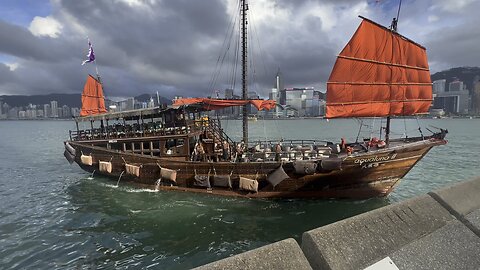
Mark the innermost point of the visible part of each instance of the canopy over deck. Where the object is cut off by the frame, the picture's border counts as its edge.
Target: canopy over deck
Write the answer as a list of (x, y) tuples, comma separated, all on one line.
[(216, 104)]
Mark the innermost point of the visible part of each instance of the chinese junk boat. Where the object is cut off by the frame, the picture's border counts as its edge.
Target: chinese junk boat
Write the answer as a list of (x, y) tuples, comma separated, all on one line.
[(379, 73)]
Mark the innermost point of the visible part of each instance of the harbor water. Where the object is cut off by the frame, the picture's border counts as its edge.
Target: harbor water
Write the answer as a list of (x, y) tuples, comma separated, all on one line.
[(53, 215)]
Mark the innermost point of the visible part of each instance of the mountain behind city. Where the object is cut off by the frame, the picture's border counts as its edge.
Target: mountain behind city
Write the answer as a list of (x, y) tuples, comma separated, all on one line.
[(468, 75)]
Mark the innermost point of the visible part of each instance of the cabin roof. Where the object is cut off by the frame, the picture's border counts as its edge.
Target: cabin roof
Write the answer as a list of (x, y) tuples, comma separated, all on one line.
[(134, 114)]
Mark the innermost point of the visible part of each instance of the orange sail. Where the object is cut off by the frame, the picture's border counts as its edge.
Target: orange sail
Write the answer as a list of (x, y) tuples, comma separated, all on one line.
[(379, 73), (92, 98), (216, 104)]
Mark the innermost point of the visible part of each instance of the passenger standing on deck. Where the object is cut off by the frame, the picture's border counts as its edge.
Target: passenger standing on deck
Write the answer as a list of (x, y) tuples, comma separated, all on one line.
[(200, 152), (240, 150), (226, 150), (278, 151), (342, 145)]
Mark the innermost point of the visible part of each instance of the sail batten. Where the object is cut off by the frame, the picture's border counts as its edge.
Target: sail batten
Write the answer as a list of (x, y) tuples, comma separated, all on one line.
[(382, 63), (379, 73), (93, 101)]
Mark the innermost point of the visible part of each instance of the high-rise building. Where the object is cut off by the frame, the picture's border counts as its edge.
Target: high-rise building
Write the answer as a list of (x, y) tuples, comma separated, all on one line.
[(278, 81), (439, 86), (456, 85), (66, 112), (75, 112), (273, 95), (252, 95), (130, 103), (476, 98), (5, 109), (228, 93), (54, 108), (12, 113), (151, 103), (46, 110), (455, 102), (301, 99)]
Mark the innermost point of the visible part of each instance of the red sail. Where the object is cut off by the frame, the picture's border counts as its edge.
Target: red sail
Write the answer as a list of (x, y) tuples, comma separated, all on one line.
[(379, 73), (216, 104), (92, 98)]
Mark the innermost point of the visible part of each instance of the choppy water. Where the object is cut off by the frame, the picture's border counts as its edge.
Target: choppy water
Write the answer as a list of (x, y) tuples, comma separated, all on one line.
[(53, 216)]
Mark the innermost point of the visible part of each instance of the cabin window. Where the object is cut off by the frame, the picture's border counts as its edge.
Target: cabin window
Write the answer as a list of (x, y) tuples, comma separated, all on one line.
[(136, 146), (146, 145), (116, 146), (170, 147), (174, 147), (180, 144)]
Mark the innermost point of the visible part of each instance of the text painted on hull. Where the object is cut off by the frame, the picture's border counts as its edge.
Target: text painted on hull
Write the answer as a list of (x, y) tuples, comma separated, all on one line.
[(372, 162)]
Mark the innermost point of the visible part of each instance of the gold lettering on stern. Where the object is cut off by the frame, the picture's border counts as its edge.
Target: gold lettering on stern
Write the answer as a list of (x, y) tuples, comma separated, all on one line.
[(373, 162)]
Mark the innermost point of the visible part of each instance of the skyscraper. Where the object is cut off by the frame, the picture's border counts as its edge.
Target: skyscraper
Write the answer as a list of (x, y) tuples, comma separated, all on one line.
[(278, 81), (54, 108), (228, 93), (456, 85), (476, 98), (439, 86), (46, 110)]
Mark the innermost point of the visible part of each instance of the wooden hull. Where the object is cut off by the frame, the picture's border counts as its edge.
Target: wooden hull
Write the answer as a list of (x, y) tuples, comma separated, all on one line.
[(361, 175)]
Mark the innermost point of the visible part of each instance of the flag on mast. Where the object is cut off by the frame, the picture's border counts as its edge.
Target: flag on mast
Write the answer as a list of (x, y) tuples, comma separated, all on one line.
[(90, 55)]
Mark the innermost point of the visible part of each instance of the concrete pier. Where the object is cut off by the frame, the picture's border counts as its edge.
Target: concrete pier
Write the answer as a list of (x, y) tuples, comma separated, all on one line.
[(440, 230)]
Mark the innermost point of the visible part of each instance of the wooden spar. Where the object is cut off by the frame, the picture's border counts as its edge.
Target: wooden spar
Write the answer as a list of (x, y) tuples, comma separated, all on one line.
[(244, 8)]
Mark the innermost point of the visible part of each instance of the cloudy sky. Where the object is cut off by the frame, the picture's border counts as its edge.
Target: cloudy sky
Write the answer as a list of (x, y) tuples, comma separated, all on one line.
[(174, 46)]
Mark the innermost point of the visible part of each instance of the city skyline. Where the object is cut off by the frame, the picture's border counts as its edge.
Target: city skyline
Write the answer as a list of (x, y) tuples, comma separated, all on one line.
[(172, 46)]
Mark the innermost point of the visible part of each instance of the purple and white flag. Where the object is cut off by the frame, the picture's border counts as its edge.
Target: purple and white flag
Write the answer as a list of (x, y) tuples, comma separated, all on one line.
[(90, 55)]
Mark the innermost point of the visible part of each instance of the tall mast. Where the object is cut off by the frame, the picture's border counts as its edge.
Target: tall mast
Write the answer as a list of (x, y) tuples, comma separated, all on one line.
[(393, 27), (243, 13)]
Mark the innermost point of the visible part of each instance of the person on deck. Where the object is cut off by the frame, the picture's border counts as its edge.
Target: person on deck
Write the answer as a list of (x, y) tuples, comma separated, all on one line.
[(226, 150), (278, 151), (240, 150), (200, 152), (343, 145)]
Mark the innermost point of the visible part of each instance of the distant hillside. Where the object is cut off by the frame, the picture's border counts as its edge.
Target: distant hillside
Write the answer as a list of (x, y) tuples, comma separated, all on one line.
[(465, 74), (71, 100)]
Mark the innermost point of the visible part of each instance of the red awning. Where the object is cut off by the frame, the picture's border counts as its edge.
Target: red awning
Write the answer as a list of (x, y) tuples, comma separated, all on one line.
[(216, 104)]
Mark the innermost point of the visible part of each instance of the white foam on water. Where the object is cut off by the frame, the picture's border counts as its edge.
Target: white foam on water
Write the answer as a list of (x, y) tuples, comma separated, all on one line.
[(139, 190), (109, 185)]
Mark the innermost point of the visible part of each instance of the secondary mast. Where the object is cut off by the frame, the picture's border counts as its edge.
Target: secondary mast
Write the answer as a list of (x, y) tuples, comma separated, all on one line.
[(243, 13)]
